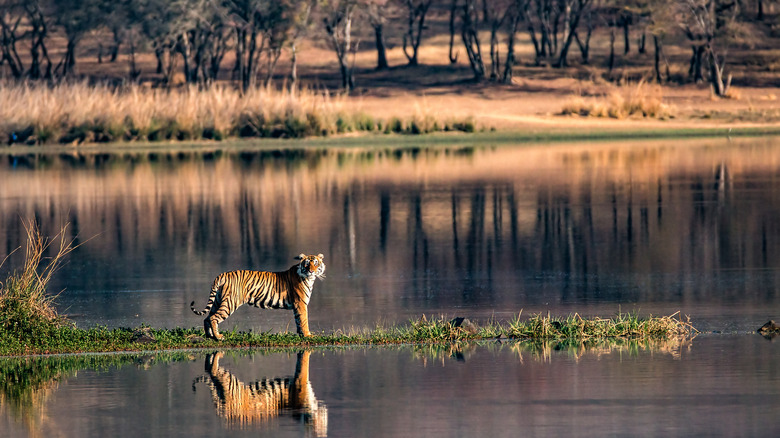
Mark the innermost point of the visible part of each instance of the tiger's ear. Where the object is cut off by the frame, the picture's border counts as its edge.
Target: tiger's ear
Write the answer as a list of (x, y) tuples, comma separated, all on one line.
[(300, 256), (320, 256)]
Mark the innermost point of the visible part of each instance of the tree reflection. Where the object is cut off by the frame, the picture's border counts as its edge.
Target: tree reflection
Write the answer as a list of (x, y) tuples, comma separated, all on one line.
[(500, 228), (241, 404), (28, 383)]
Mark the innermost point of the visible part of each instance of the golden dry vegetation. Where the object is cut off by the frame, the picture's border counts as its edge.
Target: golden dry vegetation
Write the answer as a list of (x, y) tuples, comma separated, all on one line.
[(432, 96)]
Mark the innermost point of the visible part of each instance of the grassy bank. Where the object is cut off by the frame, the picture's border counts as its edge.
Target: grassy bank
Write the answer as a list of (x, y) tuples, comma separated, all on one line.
[(69, 339), (75, 113), (30, 324)]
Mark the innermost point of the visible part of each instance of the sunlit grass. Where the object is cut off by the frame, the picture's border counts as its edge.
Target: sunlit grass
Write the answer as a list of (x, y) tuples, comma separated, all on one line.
[(621, 102), (34, 113)]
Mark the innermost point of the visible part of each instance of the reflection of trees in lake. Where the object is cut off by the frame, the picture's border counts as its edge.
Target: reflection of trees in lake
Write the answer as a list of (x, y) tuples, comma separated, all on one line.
[(28, 383), (241, 404), (461, 226)]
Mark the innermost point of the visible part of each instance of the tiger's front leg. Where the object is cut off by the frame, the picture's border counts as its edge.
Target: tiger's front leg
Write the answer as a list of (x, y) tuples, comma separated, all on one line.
[(302, 319)]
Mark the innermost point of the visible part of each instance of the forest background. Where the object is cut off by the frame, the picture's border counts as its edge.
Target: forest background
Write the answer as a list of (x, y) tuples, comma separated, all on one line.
[(503, 63)]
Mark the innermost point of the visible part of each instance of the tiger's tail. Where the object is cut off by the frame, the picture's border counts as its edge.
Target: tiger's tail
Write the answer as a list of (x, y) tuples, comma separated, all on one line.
[(218, 282)]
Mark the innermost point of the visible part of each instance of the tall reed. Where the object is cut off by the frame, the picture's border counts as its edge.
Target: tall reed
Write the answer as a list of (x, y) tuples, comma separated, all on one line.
[(80, 112), (26, 306)]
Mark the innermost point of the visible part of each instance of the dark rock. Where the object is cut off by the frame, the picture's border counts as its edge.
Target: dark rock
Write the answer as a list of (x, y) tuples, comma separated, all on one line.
[(195, 339), (144, 336), (466, 325), (770, 329), (22, 135)]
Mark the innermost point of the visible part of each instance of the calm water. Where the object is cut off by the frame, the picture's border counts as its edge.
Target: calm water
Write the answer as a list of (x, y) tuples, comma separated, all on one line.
[(724, 385), (482, 232)]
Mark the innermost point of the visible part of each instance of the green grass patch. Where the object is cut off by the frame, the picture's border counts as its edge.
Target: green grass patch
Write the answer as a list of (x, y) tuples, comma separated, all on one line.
[(65, 338)]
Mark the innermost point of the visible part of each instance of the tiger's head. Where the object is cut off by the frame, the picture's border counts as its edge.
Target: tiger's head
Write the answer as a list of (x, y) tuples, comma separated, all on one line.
[(311, 266)]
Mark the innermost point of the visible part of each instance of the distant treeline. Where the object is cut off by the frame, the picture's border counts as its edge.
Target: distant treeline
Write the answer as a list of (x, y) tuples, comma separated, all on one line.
[(194, 36)]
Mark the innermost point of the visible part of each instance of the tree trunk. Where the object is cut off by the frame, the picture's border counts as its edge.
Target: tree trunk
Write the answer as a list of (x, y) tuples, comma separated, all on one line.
[(341, 43), (416, 16), (573, 22), (716, 74), (495, 58), (293, 66), (159, 53), (134, 73), (642, 43), (626, 39), (70, 57), (453, 9), (565, 50), (114, 50), (381, 49), (273, 58), (695, 71), (537, 47), (510, 50), (584, 47), (611, 62), (471, 43), (657, 60)]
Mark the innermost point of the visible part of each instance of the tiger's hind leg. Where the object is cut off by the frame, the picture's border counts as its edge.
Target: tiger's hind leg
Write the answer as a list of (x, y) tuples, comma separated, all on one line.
[(212, 321), (207, 328)]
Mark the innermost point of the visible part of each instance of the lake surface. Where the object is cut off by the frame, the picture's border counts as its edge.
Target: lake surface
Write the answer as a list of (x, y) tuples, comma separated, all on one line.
[(483, 231), (724, 385)]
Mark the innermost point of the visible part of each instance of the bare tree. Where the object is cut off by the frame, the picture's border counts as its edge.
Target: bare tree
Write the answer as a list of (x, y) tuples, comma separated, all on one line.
[(495, 14), (453, 14), (11, 17), (300, 27), (416, 12), (661, 17), (499, 16), (575, 11), (515, 15), (543, 20), (712, 24), (337, 19), (470, 23), (377, 12), (76, 17), (25, 20)]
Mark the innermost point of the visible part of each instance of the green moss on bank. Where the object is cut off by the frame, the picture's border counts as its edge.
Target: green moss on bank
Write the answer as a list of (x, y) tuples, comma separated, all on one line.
[(58, 338)]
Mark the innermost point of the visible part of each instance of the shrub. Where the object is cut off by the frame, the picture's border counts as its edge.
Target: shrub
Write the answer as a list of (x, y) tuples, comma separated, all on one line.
[(26, 307)]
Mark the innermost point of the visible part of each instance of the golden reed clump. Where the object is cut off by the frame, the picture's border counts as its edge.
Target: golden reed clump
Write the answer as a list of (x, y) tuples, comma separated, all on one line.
[(79, 112), (621, 102)]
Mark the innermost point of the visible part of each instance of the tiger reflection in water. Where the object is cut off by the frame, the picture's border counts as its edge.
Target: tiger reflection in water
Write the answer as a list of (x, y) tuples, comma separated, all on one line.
[(241, 405)]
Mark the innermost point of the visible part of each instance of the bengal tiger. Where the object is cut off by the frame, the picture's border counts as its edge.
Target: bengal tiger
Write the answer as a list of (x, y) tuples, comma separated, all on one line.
[(242, 405), (290, 289)]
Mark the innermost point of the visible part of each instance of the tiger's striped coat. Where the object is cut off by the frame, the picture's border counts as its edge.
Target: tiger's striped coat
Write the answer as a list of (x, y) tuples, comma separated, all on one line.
[(290, 289)]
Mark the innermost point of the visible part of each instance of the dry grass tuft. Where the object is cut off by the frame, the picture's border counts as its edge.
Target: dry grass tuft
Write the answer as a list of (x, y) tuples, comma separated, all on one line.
[(621, 102), (24, 299)]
